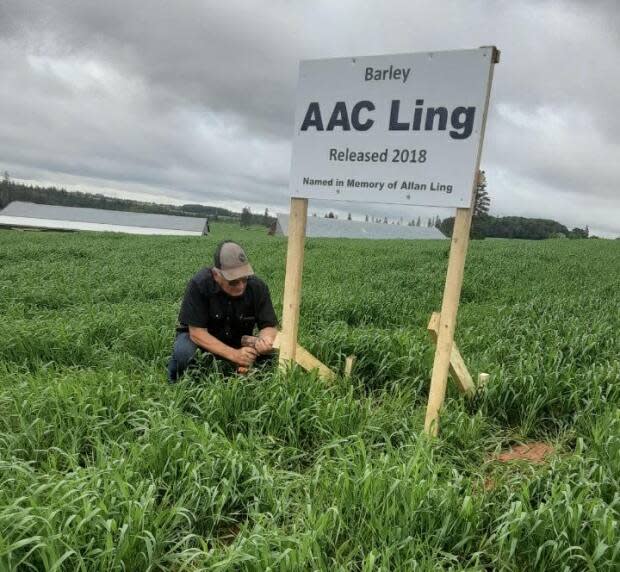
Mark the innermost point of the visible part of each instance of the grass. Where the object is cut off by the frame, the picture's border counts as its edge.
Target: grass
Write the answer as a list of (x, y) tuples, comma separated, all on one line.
[(103, 466)]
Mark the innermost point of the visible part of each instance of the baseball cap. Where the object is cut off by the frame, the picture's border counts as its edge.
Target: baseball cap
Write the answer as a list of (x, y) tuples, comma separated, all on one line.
[(232, 261)]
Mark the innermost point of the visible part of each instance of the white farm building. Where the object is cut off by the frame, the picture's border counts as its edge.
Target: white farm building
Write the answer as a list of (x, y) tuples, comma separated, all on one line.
[(336, 228), (51, 217)]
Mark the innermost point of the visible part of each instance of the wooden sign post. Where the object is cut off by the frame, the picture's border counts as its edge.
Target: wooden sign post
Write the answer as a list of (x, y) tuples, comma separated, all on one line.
[(447, 318), (452, 289), (290, 350), (292, 280)]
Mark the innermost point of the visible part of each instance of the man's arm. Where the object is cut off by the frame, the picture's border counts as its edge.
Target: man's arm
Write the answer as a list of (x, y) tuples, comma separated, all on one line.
[(266, 320), (244, 357)]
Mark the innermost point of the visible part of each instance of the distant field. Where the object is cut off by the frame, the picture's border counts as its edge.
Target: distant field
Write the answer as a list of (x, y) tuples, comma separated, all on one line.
[(103, 466)]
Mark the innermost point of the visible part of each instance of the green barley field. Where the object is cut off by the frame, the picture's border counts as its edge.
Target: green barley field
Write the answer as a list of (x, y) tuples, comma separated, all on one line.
[(104, 466)]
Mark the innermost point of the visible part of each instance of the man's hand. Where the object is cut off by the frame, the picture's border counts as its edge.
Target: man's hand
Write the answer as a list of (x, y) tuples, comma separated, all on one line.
[(264, 346), (245, 357)]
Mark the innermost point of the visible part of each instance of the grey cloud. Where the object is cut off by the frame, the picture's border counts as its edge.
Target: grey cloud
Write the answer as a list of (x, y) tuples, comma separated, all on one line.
[(225, 56), (196, 98)]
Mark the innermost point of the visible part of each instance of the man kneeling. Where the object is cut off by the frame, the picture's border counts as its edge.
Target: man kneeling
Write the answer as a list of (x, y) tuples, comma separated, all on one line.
[(221, 305)]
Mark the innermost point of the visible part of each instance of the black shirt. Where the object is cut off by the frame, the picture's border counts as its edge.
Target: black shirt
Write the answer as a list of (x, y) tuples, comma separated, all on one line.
[(206, 305)]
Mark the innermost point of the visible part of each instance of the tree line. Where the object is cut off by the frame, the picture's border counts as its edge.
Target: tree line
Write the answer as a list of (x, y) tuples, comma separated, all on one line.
[(487, 226), (428, 222), (483, 225), (11, 191)]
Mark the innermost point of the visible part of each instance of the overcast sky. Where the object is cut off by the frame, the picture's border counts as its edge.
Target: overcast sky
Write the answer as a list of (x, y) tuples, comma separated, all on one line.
[(193, 101)]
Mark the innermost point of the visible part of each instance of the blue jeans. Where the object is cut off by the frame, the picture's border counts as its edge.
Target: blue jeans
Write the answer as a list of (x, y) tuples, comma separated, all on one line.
[(182, 356)]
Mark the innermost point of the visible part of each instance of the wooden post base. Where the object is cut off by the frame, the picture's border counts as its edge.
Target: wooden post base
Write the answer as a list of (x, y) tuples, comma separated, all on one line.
[(458, 369), (348, 365), (306, 360)]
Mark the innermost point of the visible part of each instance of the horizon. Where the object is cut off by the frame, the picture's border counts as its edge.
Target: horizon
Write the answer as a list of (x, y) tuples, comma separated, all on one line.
[(196, 104), (340, 215)]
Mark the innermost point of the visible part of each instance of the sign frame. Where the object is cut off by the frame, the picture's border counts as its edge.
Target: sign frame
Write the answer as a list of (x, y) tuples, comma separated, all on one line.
[(408, 137), (452, 288)]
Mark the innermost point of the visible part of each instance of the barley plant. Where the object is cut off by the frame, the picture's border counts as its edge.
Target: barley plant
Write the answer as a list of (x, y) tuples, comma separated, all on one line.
[(104, 466)]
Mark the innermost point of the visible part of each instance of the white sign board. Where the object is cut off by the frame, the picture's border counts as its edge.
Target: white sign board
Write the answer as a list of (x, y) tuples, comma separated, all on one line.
[(402, 129)]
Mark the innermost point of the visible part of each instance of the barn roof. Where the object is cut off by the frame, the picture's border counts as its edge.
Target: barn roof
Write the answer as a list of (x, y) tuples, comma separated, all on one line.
[(337, 228), (22, 214)]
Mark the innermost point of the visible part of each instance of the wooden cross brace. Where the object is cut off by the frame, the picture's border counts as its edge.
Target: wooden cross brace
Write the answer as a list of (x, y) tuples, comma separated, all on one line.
[(458, 369), (307, 361)]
